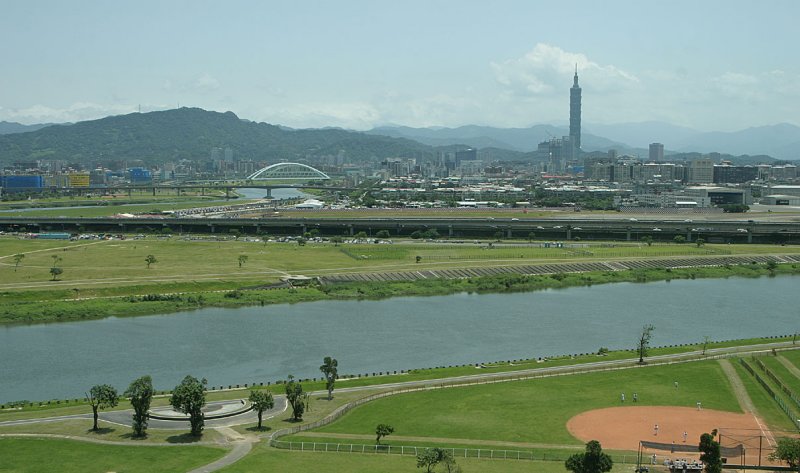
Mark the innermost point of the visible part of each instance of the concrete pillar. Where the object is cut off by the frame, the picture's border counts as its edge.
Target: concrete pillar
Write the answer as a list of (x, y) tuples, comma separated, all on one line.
[(450, 231), (269, 192), (628, 234), (352, 232), (749, 235), (569, 233), (508, 232), (689, 235), (154, 191)]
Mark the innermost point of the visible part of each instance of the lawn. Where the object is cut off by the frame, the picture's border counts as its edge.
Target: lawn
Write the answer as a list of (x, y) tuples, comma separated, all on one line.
[(766, 406), (263, 458), (537, 410), (787, 378), (66, 456)]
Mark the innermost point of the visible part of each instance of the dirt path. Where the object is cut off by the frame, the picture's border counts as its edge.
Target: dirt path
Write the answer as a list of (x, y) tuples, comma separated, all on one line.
[(440, 440), (745, 403), (744, 398), (789, 366)]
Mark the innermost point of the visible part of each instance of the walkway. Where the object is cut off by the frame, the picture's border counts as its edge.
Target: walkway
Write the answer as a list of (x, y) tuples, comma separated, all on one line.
[(744, 398), (789, 366)]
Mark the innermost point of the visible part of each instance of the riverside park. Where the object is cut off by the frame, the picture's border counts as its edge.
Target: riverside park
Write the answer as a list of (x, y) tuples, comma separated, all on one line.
[(525, 414)]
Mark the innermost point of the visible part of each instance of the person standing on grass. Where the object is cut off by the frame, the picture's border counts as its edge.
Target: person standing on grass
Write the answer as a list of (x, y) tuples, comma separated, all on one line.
[(635, 397), (622, 398)]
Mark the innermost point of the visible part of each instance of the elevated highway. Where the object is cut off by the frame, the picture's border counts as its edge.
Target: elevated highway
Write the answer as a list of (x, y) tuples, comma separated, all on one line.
[(719, 230)]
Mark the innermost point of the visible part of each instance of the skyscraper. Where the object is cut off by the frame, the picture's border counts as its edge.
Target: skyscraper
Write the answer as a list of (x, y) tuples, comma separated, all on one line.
[(575, 112), (656, 152)]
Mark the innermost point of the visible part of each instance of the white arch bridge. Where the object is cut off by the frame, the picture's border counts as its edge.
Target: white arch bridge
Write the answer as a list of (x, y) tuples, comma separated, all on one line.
[(286, 171)]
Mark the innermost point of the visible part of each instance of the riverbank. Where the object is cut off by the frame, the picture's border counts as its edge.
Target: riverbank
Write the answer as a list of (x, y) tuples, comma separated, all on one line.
[(32, 312)]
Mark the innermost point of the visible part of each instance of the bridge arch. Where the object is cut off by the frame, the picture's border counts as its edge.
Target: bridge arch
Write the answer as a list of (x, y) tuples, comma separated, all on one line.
[(289, 171)]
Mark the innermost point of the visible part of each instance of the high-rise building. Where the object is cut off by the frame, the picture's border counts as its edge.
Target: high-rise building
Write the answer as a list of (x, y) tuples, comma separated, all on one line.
[(575, 112), (656, 152)]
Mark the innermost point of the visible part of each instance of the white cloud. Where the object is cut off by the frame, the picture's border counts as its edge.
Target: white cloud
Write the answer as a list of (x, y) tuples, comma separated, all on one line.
[(76, 112), (206, 83), (547, 70), (353, 115)]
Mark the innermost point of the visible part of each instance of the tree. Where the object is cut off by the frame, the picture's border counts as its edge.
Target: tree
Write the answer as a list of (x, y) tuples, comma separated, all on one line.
[(17, 260), (261, 401), (56, 272), (150, 259), (382, 430), (330, 369), (679, 239), (301, 241), (706, 339), (648, 240), (101, 396), (788, 450), (336, 240), (140, 393), (189, 397), (593, 460), (644, 342), (531, 237), (430, 457), (242, 260), (699, 242), (382, 234), (709, 452), (294, 395), (360, 236)]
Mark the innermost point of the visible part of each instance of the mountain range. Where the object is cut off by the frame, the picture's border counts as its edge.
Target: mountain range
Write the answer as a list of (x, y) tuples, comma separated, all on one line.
[(14, 127), (191, 133), (780, 141)]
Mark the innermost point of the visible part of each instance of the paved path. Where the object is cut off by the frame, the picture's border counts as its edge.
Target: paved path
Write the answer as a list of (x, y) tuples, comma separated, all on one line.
[(240, 448), (107, 442), (789, 366)]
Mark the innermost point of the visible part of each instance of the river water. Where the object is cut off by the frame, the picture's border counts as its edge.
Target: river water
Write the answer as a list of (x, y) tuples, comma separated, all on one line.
[(259, 344)]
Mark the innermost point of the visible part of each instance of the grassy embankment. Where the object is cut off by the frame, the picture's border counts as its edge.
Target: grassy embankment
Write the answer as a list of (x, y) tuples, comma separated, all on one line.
[(110, 278)]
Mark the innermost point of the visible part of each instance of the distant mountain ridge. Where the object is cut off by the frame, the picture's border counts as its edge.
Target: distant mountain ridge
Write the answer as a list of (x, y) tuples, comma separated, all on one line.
[(515, 139), (191, 133), (7, 128), (780, 141)]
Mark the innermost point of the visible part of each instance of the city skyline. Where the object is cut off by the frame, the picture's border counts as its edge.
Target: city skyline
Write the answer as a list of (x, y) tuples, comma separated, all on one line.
[(714, 66)]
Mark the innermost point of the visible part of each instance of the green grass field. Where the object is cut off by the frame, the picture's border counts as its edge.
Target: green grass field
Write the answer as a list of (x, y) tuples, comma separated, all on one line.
[(765, 405), (67, 456), (537, 410), (263, 458)]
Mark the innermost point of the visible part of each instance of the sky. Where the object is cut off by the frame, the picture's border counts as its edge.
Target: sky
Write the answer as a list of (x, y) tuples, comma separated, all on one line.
[(710, 65)]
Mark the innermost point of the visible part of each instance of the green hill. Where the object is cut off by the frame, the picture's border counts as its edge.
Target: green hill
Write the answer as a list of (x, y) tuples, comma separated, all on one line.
[(190, 133)]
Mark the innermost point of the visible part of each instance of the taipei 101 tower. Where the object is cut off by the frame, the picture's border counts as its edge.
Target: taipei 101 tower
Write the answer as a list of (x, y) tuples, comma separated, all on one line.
[(575, 112)]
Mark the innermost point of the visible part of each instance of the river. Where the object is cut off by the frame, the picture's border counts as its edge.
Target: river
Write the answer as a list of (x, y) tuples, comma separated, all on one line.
[(259, 344)]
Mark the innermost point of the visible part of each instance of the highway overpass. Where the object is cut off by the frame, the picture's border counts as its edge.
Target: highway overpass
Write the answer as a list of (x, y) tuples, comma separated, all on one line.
[(734, 231)]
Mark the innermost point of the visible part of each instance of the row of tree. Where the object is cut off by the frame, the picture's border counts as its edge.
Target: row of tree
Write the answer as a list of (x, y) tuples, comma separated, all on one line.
[(189, 397)]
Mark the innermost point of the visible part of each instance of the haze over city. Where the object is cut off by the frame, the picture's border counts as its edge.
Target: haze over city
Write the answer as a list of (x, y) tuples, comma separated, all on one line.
[(710, 65)]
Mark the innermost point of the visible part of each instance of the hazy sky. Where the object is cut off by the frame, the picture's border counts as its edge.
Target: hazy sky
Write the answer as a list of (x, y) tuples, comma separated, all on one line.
[(710, 65)]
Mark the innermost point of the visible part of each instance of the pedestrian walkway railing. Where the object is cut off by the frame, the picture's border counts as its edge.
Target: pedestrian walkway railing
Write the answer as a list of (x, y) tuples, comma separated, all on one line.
[(531, 454)]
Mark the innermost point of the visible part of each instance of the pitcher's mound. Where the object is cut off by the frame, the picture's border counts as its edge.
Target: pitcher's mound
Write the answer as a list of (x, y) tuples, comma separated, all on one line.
[(621, 428)]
